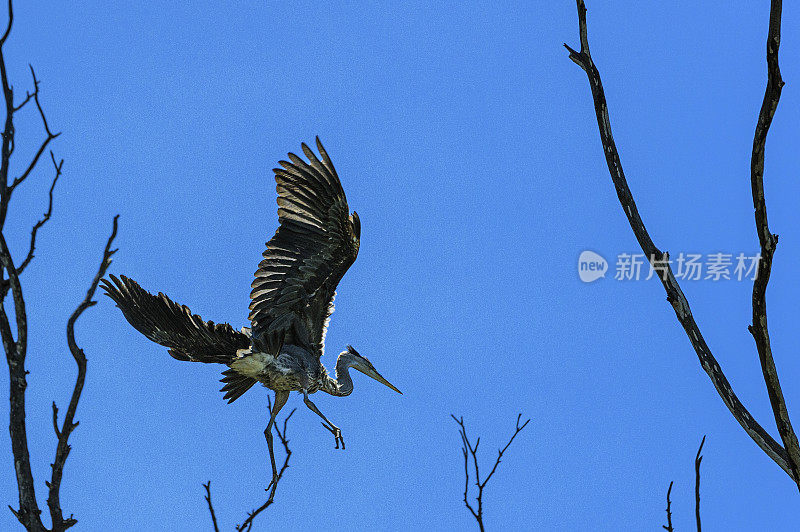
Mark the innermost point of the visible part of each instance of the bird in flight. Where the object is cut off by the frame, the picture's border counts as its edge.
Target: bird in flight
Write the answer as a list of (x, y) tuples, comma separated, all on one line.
[(290, 303)]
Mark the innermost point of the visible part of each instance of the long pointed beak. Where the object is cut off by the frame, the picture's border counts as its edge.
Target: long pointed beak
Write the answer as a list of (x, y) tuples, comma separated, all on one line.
[(378, 377)]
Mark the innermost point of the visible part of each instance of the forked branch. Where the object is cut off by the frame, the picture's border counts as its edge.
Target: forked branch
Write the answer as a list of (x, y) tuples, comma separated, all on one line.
[(45, 218), (63, 448), (247, 524), (469, 450), (15, 339), (49, 135), (207, 487), (660, 259)]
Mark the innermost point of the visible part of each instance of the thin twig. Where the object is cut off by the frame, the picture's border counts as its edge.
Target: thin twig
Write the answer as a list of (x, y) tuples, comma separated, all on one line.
[(697, 459), (8, 128), (668, 526), (45, 218), (10, 22), (468, 449), (207, 486), (660, 259), (247, 525), (63, 448), (50, 136), (768, 242), (28, 97)]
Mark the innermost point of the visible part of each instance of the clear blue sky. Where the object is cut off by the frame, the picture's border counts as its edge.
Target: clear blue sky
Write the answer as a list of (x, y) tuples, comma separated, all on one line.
[(466, 141)]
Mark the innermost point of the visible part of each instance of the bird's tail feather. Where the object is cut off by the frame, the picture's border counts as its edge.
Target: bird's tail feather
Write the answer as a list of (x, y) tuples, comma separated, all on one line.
[(235, 384), (167, 323)]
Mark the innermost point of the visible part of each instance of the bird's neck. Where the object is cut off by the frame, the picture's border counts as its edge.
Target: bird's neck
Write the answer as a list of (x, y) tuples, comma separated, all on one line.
[(342, 385)]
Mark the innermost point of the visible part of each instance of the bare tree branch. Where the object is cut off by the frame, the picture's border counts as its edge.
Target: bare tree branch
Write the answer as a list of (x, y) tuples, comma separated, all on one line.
[(660, 260), (10, 22), (668, 526), (8, 128), (45, 218), (28, 513), (207, 486), (247, 525), (697, 459), (63, 448), (768, 242), (28, 97), (50, 136), (468, 449)]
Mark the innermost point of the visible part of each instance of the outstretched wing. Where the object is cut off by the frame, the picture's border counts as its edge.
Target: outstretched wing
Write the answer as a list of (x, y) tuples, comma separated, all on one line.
[(165, 322), (312, 249)]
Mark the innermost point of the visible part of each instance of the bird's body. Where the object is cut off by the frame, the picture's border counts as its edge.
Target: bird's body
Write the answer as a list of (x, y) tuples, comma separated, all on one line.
[(291, 299), (285, 372)]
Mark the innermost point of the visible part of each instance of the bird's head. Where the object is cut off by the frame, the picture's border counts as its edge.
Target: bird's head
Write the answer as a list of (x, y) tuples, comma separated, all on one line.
[(361, 363)]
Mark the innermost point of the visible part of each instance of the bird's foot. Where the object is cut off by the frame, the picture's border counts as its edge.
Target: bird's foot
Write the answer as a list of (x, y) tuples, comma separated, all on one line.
[(337, 434)]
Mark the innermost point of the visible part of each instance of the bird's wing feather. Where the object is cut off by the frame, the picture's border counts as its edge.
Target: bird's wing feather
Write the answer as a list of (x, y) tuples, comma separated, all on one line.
[(316, 243), (167, 323)]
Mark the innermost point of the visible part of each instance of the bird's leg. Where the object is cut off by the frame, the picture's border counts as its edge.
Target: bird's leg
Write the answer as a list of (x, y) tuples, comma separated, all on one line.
[(280, 400), (337, 433)]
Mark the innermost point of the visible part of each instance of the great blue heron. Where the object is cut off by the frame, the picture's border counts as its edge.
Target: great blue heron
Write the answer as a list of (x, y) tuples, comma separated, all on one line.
[(291, 300)]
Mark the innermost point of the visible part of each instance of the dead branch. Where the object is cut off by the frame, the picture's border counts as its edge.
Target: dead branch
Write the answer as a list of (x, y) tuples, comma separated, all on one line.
[(63, 448), (207, 487), (28, 513), (468, 450), (675, 295), (247, 524), (697, 459), (15, 342), (48, 137), (668, 526), (44, 219), (768, 242), (8, 128)]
